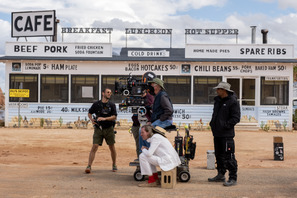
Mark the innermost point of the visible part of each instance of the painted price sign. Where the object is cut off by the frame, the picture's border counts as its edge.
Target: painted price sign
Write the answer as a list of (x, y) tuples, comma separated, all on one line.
[(19, 93)]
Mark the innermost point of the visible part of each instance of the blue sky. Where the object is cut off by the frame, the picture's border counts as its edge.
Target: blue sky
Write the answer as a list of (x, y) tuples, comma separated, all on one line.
[(278, 16)]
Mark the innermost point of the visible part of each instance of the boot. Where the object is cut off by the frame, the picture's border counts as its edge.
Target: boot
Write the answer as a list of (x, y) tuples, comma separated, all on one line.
[(218, 178), (230, 182)]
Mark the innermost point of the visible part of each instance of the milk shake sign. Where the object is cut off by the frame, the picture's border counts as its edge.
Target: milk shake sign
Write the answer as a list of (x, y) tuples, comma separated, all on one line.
[(35, 23)]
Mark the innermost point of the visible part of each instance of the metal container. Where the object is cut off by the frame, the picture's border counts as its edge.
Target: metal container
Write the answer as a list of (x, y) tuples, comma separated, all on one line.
[(211, 160)]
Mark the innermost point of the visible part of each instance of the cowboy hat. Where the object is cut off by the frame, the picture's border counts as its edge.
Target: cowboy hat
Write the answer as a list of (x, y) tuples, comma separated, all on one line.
[(224, 85), (159, 130)]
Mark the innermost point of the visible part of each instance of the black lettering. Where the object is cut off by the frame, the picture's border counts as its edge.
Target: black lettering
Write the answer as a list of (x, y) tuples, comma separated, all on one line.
[(241, 51), (16, 48), (47, 23), (16, 23), (284, 51), (46, 48), (28, 25), (37, 22)]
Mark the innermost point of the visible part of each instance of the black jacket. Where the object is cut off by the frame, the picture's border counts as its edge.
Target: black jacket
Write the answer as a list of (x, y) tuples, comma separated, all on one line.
[(162, 107), (226, 114)]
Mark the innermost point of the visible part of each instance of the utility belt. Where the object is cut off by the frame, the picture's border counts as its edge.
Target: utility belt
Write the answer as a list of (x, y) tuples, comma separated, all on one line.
[(101, 126), (98, 125)]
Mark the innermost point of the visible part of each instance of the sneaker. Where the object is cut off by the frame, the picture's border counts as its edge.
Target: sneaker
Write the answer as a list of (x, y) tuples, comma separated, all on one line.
[(219, 178), (114, 168), (230, 182), (153, 184), (88, 169)]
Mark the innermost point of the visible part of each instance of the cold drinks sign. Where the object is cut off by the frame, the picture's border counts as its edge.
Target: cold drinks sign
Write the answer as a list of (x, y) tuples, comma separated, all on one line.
[(30, 24)]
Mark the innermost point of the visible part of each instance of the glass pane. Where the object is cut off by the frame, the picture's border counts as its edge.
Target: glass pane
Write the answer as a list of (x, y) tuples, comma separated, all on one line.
[(274, 92), (178, 88), (28, 81), (234, 86), (203, 89), (248, 92), (248, 89), (84, 89), (54, 88)]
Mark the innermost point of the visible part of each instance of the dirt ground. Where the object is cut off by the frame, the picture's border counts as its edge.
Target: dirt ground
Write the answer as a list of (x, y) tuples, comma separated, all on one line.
[(50, 163)]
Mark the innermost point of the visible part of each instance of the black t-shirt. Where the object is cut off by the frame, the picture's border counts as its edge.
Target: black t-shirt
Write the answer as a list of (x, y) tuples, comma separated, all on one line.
[(104, 110)]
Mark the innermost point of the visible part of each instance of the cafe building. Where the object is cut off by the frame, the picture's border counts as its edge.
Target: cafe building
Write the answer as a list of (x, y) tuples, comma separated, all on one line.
[(63, 79)]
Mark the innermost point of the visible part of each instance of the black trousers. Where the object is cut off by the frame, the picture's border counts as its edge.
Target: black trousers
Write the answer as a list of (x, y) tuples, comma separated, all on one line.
[(225, 157)]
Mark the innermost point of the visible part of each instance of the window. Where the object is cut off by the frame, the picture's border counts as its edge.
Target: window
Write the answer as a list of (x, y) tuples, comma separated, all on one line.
[(274, 92), (54, 88), (109, 82), (248, 92), (84, 89), (24, 81), (203, 89), (178, 88)]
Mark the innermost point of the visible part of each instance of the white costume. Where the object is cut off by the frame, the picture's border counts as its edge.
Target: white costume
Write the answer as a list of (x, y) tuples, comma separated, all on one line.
[(161, 153)]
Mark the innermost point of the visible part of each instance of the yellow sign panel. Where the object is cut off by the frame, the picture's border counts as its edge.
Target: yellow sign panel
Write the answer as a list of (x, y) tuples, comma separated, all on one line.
[(19, 93)]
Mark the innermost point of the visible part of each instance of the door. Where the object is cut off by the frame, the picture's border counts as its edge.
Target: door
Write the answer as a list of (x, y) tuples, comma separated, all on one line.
[(244, 89)]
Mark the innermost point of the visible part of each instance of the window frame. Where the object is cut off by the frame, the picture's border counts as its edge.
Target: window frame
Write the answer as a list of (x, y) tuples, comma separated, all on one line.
[(95, 89), (286, 95), (33, 92), (66, 100), (175, 89), (211, 93)]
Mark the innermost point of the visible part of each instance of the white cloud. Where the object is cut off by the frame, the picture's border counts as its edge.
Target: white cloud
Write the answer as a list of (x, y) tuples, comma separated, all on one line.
[(2, 77), (267, 1), (287, 4), (5, 34), (183, 5), (120, 14)]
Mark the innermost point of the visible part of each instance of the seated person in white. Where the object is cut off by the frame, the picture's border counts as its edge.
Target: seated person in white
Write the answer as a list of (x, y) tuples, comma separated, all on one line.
[(160, 153)]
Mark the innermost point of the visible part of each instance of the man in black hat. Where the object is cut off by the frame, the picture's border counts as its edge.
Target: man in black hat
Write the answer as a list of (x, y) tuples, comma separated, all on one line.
[(226, 114)]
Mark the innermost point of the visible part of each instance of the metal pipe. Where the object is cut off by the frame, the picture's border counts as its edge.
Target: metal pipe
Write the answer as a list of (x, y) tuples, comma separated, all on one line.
[(264, 32), (253, 34)]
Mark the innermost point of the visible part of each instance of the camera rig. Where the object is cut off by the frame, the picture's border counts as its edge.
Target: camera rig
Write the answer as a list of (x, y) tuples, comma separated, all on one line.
[(133, 88)]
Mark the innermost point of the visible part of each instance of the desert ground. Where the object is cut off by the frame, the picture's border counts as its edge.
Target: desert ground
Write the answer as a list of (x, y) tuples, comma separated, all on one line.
[(51, 162)]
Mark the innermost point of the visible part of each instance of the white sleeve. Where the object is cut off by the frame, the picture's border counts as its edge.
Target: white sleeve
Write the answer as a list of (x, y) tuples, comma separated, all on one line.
[(155, 142)]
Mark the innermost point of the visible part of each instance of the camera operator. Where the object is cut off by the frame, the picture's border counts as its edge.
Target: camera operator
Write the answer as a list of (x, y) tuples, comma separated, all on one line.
[(106, 115), (162, 108), (148, 102)]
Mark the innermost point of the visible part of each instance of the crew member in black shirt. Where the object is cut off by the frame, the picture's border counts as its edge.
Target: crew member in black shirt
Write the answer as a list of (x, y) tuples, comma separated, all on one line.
[(104, 122)]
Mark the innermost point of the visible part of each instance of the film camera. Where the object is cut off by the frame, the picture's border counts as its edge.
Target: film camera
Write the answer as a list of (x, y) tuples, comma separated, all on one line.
[(133, 88)]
